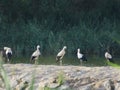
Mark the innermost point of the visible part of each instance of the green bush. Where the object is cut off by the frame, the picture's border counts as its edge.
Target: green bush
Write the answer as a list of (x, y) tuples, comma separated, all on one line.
[(92, 26)]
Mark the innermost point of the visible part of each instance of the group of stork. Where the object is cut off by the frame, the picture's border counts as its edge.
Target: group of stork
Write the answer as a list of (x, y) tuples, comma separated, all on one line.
[(80, 56), (7, 52)]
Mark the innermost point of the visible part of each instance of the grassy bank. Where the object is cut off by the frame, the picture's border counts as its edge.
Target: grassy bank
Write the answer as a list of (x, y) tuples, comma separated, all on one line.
[(50, 60)]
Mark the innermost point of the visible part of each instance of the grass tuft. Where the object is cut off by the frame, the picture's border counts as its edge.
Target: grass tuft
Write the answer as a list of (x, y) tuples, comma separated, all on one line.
[(4, 75), (113, 64), (61, 78)]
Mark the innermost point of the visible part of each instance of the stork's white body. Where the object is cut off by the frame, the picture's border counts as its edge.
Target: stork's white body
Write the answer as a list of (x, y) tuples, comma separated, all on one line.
[(8, 53), (60, 55), (36, 54), (108, 55), (8, 50), (80, 56)]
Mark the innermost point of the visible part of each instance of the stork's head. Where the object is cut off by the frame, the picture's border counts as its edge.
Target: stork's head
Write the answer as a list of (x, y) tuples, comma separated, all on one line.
[(106, 52), (65, 47), (5, 48), (78, 49), (38, 46)]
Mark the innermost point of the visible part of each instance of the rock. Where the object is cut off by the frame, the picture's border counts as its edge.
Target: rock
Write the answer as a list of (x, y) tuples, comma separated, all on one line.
[(43, 84), (2, 88), (22, 85), (13, 82), (53, 79), (86, 87), (64, 87), (117, 86), (104, 85), (107, 85), (1, 83), (99, 86), (53, 85), (72, 77)]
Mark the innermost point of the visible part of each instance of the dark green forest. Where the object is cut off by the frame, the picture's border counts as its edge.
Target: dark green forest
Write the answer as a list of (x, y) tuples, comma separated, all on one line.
[(92, 25)]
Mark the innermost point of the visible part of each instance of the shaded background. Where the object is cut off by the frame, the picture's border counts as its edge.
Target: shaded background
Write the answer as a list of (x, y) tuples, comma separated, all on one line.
[(92, 25)]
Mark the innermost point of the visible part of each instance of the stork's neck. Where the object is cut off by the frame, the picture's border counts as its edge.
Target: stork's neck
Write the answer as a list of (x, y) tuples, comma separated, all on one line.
[(37, 48), (63, 49), (78, 51), (106, 52)]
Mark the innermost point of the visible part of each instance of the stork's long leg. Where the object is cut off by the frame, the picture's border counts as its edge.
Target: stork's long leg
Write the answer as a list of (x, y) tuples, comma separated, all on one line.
[(81, 62), (60, 62)]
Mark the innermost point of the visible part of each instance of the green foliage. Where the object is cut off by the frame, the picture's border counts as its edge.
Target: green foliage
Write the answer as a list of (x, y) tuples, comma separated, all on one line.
[(60, 80), (46, 88), (32, 84), (113, 65), (4, 76), (91, 25)]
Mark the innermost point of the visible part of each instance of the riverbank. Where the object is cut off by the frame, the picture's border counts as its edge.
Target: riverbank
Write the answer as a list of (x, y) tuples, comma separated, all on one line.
[(62, 77)]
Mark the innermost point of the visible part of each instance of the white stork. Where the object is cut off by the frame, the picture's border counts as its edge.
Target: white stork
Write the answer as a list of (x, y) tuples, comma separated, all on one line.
[(108, 56), (35, 54), (8, 53), (60, 55), (80, 56)]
